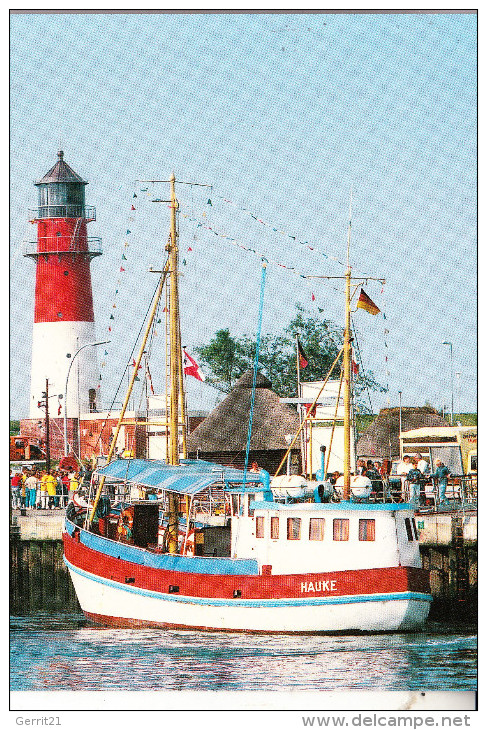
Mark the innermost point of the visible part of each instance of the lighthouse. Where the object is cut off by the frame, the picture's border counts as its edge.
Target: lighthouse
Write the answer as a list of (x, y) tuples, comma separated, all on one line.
[(63, 316)]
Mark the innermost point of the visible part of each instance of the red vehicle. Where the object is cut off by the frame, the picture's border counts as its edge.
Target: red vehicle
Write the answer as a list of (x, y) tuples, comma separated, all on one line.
[(22, 449)]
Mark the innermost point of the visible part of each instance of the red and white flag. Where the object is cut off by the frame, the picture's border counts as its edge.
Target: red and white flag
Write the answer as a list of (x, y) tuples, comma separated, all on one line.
[(354, 363), (191, 367)]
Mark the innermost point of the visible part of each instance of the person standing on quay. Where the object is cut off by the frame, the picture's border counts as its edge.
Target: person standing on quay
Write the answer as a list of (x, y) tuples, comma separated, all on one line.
[(15, 485), (30, 490), (441, 476), (73, 484), (51, 484), (65, 492), (44, 493), (59, 490)]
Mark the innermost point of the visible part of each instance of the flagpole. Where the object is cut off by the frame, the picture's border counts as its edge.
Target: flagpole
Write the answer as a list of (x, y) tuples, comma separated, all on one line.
[(182, 394), (303, 459)]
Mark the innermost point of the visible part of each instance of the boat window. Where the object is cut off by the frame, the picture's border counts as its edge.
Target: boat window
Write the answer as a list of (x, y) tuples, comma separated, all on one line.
[(235, 504), (293, 528), (340, 529), (409, 531), (316, 528), (366, 530), (415, 528), (251, 498), (274, 528), (259, 527)]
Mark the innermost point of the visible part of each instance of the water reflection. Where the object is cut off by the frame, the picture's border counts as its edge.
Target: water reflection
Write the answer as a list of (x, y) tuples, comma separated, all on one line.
[(60, 651)]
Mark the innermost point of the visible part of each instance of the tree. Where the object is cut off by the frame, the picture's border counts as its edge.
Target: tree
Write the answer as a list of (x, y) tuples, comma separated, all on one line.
[(228, 358), (221, 356)]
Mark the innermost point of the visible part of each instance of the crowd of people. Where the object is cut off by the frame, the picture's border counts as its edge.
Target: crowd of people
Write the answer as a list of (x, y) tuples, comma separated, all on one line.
[(414, 472), (41, 489)]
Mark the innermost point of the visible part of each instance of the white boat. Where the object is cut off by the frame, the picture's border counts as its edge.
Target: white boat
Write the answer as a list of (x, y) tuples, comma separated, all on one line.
[(283, 561)]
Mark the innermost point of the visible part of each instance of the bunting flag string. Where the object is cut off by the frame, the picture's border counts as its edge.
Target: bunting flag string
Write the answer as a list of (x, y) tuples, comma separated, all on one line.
[(122, 270), (281, 231), (237, 242)]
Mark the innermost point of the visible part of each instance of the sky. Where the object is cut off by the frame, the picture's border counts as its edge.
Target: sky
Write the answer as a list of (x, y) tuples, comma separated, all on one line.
[(286, 117)]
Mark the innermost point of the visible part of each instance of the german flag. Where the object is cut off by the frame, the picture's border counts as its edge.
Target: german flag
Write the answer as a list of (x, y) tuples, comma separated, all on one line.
[(365, 302), (303, 359)]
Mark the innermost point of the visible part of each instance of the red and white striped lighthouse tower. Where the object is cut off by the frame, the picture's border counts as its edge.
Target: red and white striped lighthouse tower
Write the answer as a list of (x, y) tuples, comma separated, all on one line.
[(63, 317)]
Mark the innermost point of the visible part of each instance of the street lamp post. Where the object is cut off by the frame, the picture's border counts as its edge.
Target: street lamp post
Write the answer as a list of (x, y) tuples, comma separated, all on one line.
[(88, 344), (451, 377)]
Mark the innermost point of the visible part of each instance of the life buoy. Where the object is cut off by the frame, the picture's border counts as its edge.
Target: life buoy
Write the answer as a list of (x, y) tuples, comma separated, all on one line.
[(128, 512)]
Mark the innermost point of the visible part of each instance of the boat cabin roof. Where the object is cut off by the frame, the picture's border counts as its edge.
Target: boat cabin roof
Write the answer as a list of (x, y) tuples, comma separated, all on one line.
[(190, 477)]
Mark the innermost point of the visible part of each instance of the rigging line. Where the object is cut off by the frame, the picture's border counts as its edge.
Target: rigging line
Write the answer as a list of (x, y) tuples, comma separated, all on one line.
[(256, 365), (127, 365), (361, 363)]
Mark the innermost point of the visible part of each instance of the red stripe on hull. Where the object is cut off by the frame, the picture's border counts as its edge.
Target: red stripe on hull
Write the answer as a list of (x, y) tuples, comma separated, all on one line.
[(63, 280), (347, 582)]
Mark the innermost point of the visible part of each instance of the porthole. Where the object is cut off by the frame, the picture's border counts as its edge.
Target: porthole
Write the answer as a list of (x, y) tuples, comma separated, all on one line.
[(66, 273), (60, 315)]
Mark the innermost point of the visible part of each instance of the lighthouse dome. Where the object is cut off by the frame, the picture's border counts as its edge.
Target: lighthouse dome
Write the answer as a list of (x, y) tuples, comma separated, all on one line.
[(61, 192), (61, 172)]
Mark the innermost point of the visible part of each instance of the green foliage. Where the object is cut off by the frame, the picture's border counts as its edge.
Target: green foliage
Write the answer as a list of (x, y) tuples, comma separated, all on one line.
[(222, 356), (466, 419), (228, 358), (14, 428)]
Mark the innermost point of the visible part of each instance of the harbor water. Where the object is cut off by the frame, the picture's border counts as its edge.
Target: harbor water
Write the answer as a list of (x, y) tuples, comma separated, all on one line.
[(61, 651)]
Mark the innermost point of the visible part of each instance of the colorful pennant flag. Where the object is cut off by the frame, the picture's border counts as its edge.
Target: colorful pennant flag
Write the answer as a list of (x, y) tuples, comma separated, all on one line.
[(365, 302)]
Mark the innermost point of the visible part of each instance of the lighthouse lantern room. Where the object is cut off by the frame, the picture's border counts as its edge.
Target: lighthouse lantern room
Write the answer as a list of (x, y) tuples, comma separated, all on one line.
[(63, 315)]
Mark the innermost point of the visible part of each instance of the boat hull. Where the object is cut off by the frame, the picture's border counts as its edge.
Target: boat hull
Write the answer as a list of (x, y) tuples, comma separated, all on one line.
[(116, 592)]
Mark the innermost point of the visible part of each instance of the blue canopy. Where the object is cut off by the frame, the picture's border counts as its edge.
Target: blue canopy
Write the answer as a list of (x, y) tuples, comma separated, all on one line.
[(190, 477)]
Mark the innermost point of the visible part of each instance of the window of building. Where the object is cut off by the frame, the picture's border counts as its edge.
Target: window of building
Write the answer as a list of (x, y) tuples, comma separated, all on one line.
[(366, 530), (409, 530), (340, 529), (251, 498), (293, 528), (316, 528), (274, 528), (92, 400), (415, 528), (259, 527)]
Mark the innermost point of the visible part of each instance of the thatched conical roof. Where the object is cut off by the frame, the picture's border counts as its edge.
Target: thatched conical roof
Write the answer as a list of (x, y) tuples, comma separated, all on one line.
[(225, 428), (381, 438)]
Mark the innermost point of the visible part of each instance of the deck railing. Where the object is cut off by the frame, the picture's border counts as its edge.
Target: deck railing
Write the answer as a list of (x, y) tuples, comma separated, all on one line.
[(63, 245)]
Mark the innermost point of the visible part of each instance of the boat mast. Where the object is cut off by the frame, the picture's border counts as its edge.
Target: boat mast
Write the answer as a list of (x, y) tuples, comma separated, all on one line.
[(175, 351), (347, 369), (346, 395), (175, 373)]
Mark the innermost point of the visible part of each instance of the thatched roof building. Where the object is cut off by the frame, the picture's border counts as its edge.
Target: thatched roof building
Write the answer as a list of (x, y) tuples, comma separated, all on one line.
[(222, 436), (381, 438)]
